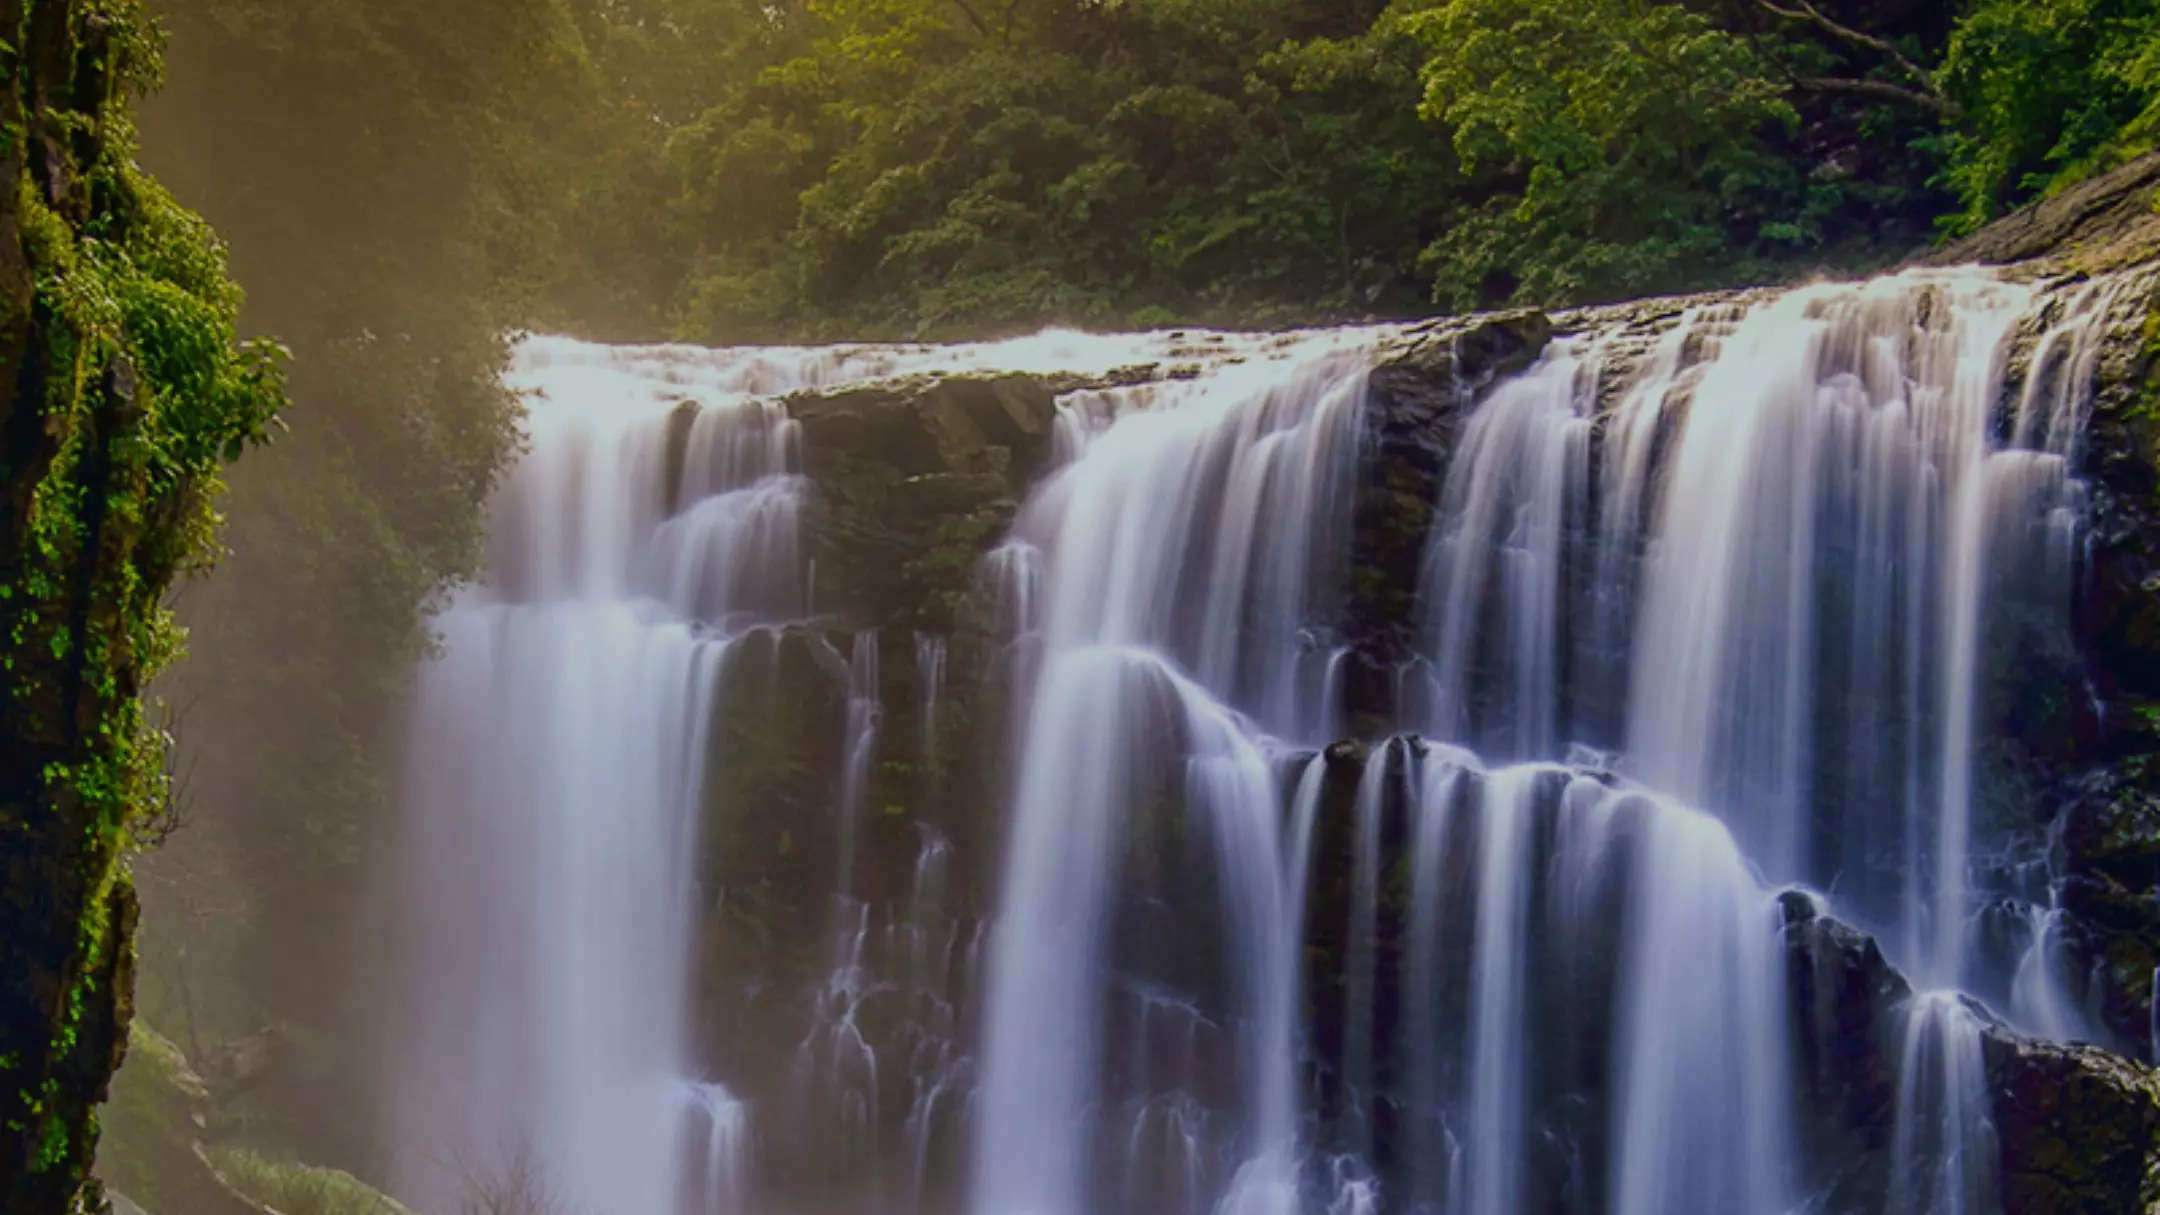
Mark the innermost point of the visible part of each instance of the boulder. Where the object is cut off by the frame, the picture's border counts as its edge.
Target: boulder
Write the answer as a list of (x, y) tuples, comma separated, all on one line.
[(2079, 1127)]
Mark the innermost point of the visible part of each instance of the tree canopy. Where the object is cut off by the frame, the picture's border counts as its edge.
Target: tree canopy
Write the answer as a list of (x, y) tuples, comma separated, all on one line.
[(951, 166)]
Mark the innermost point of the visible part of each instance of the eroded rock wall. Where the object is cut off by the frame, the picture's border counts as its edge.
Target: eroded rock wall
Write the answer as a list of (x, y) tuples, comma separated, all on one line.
[(918, 480)]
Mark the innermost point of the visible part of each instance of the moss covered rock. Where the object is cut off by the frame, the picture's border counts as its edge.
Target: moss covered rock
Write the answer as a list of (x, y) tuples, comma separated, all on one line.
[(2108, 221), (153, 1130), (916, 479), (292, 1188), (2079, 1128)]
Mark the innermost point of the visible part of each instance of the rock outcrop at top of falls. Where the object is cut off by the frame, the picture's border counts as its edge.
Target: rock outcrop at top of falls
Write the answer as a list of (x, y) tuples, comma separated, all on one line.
[(926, 473), (1151, 773), (2099, 224), (918, 480)]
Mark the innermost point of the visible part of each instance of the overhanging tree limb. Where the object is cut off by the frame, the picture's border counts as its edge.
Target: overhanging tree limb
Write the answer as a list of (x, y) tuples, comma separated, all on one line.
[(1807, 13), (1878, 90)]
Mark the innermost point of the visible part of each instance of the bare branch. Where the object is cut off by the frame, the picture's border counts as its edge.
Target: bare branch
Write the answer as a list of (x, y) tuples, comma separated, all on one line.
[(515, 1184), (1807, 13), (973, 19), (1877, 90), (160, 822)]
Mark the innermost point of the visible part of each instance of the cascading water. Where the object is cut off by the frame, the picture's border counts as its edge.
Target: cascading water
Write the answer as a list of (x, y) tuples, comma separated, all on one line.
[(1712, 606), (1523, 463), (559, 754), (1807, 523), (560, 763), (1177, 533)]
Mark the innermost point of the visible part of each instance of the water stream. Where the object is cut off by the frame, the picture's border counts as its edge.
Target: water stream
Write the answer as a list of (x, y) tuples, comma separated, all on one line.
[(1711, 610)]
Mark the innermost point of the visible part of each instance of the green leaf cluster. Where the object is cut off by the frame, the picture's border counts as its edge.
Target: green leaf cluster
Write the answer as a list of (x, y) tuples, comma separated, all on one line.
[(1623, 141), (2053, 91)]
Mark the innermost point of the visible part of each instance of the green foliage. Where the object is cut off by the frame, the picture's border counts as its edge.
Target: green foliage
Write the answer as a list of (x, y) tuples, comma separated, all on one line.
[(137, 305), (937, 166), (1622, 139), (2052, 90), (301, 1189), (924, 167), (129, 394), (735, 170)]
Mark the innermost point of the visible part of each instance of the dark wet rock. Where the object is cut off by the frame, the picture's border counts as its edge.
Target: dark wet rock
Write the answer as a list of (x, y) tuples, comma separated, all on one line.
[(1845, 996), (2078, 1127), (916, 479), (2119, 612), (993, 424), (2099, 750), (680, 420), (1416, 401)]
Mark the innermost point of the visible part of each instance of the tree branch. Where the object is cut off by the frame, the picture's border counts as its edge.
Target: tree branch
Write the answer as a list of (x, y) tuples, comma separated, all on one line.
[(1877, 90), (974, 20), (1807, 13)]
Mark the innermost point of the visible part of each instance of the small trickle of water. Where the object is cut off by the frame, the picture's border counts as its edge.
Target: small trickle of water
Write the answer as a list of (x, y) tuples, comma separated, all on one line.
[(724, 1186), (865, 718), (1522, 465), (1943, 1150)]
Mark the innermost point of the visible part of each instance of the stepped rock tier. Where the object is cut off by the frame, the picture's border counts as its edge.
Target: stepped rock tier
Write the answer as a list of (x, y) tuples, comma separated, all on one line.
[(1701, 755)]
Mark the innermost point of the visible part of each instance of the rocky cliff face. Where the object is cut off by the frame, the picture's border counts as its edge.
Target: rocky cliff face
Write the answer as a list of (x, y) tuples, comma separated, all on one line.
[(112, 420), (895, 702)]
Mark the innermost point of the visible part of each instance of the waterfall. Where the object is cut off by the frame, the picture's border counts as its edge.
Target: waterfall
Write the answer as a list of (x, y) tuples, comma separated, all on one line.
[(559, 754), (1181, 536), (1166, 879), (1523, 463), (1944, 1145), (1827, 519), (864, 719)]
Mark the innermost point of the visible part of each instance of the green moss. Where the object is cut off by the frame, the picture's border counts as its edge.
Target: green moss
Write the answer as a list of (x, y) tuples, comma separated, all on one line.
[(150, 1122), (122, 343), (301, 1189)]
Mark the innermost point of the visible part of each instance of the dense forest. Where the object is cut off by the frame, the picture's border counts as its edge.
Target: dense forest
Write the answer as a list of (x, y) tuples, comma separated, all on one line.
[(401, 185), (727, 171)]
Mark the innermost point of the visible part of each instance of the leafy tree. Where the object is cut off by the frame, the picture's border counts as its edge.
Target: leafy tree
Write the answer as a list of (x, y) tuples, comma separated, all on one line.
[(2051, 91), (945, 166), (1620, 140)]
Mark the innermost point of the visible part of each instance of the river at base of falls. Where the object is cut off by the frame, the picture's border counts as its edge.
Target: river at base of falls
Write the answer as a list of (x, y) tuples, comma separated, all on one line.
[(1701, 625)]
